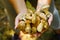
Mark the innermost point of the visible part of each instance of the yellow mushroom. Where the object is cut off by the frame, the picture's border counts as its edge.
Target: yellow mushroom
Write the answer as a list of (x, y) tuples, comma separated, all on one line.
[(43, 16), (47, 13), (33, 18), (38, 20), (28, 28), (40, 27), (21, 25), (45, 7), (27, 21), (43, 21), (34, 22), (46, 25), (28, 16), (34, 29)]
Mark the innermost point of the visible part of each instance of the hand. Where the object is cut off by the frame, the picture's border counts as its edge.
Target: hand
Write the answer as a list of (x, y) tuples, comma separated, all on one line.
[(50, 19), (23, 36), (39, 6), (19, 17)]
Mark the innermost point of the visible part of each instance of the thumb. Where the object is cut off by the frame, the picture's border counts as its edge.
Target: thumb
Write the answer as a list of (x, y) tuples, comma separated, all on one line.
[(16, 22), (50, 19), (15, 27)]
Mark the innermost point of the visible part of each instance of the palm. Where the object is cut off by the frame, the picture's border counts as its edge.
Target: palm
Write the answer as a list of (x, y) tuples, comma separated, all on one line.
[(17, 20)]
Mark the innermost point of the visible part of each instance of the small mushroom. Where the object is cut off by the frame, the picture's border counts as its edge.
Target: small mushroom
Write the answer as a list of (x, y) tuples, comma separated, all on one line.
[(43, 21), (48, 15), (27, 21), (43, 16), (34, 29), (33, 18), (28, 28), (45, 7), (38, 20), (46, 25), (21, 25), (40, 27), (28, 16)]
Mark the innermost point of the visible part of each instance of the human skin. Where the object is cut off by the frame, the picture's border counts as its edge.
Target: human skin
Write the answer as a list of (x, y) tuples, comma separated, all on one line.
[(20, 8), (40, 3)]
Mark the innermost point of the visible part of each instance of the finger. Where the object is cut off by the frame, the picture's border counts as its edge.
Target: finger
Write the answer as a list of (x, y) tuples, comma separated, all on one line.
[(21, 34), (16, 22), (50, 19)]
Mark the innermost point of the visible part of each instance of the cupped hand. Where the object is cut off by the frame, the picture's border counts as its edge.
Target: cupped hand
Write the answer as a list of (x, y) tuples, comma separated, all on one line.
[(19, 17), (23, 36), (50, 19)]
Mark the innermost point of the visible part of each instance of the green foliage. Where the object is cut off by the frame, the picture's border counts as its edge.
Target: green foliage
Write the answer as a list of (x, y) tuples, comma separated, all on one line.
[(5, 29), (29, 6)]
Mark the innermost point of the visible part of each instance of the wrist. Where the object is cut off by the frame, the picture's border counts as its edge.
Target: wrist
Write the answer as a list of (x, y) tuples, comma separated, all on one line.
[(42, 3)]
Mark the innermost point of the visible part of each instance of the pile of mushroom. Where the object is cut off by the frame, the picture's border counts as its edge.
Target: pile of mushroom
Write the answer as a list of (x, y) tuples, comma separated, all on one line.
[(35, 22)]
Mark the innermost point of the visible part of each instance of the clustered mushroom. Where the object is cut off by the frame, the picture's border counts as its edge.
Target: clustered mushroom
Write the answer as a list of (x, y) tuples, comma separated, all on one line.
[(35, 22)]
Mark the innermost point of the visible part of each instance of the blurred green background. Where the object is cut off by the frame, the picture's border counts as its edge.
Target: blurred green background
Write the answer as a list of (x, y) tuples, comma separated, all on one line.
[(6, 31)]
